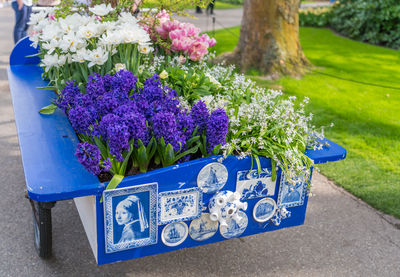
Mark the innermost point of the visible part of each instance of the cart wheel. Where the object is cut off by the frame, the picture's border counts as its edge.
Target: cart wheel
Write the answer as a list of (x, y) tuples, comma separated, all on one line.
[(42, 227)]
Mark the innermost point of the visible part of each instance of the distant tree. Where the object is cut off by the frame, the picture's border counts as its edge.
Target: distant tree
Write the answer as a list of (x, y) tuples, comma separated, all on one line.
[(269, 38)]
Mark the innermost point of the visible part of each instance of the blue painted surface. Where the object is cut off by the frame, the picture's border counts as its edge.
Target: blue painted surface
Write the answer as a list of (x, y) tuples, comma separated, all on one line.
[(20, 52), (168, 179), (333, 153), (53, 173), (47, 142)]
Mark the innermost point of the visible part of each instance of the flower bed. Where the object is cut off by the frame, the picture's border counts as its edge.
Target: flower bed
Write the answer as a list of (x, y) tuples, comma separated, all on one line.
[(141, 94)]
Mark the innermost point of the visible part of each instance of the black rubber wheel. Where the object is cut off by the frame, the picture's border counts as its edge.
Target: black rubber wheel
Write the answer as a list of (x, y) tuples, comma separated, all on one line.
[(42, 228)]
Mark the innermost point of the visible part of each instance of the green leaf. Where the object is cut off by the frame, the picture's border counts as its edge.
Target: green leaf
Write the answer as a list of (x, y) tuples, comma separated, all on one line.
[(47, 88), (115, 181), (258, 163), (33, 55), (216, 149), (125, 162), (187, 152), (143, 158), (48, 109), (101, 146), (273, 170), (169, 155)]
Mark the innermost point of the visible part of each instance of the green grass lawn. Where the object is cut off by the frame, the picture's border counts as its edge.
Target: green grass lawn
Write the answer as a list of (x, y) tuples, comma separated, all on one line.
[(366, 115)]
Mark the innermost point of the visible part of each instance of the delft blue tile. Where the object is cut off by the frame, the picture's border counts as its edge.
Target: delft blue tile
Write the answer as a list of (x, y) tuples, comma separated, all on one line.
[(130, 216), (235, 227), (251, 184), (203, 228), (264, 210), (179, 205), (291, 195), (174, 233), (212, 177)]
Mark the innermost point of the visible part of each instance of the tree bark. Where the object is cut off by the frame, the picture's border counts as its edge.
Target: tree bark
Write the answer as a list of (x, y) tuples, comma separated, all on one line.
[(269, 38)]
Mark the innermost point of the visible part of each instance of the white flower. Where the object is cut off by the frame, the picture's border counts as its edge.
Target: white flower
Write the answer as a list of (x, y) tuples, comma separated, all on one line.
[(101, 10), (79, 56), (49, 61), (110, 39), (62, 59), (141, 68), (164, 74), (213, 80), (90, 30), (71, 42), (51, 31), (50, 46), (97, 56), (145, 49), (36, 18), (126, 17), (119, 66)]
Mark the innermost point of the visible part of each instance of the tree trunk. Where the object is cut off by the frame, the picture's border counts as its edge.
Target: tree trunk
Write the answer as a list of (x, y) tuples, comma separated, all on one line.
[(269, 38)]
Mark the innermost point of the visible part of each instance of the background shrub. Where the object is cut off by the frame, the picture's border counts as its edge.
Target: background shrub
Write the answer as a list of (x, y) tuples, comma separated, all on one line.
[(314, 17), (373, 21)]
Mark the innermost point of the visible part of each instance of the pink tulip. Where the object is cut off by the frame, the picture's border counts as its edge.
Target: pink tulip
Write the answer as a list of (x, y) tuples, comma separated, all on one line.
[(182, 44), (197, 50)]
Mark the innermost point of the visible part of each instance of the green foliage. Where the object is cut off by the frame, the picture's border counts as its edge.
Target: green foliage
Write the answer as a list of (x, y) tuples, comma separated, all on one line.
[(314, 17), (371, 170), (372, 21)]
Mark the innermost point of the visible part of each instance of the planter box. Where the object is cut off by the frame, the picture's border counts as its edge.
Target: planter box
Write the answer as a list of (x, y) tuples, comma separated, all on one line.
[(191, 204)]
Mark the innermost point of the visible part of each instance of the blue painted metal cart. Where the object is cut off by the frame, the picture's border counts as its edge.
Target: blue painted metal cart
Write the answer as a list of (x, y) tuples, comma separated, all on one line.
[(186, 205)]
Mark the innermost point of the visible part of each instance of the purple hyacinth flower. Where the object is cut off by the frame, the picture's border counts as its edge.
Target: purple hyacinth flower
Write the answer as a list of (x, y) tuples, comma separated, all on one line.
[(89, 156), (185, 124), (152, 90), (217, 129), (200, 115), (106, 121), (107, 103), (80, 119), (107, 165), (164, 126), (95, 86), (118, 139), (124, 82), (66, 99), (137, 126)]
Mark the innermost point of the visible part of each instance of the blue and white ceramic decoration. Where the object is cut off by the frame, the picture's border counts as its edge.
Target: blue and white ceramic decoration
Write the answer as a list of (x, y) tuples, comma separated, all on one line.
[(203, 228), (174, 233), (251, 184), (235, 227), (264, 210), (280, 214), (212, 177), (224, 205), (291, 195), (130, 216), (179, 205)]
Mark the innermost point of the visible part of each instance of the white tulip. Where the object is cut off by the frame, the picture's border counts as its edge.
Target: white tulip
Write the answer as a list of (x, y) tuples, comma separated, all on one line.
[(97, 57), (145, 49), (119, 66), (49, 61), (101, 10)]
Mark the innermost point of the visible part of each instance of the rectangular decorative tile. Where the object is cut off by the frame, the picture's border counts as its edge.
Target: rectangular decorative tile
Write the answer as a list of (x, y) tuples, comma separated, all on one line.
[(179, 205)]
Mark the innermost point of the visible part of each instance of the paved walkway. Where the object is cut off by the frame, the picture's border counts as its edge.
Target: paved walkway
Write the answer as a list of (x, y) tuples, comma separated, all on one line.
[(342, 236)]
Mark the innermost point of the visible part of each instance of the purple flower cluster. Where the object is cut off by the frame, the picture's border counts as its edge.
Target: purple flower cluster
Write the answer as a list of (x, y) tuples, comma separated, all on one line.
[(113, 110), (89, 156), (217, 129)]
